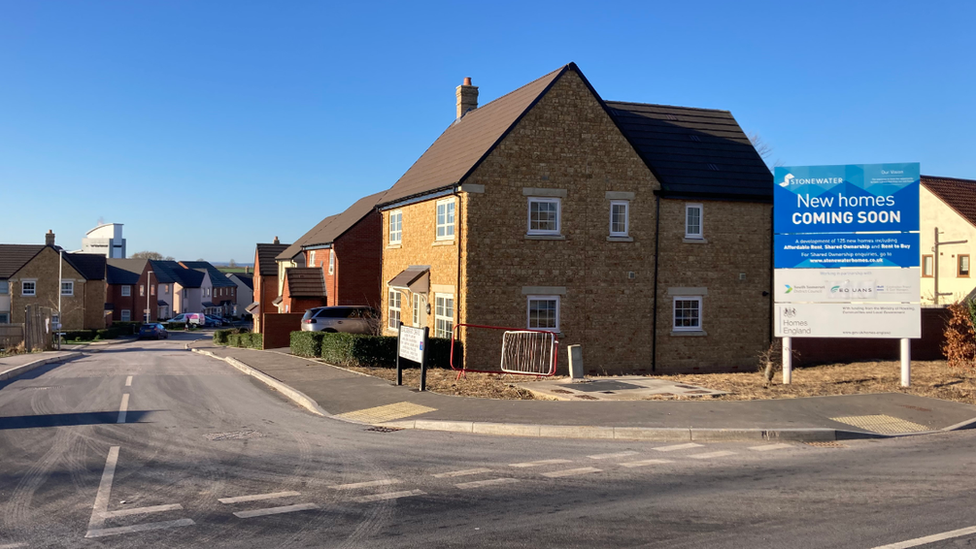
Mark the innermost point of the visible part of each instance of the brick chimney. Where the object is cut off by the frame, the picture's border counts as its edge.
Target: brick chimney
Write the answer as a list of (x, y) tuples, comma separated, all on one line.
[(467, 98), (49, 238), (276, 241)]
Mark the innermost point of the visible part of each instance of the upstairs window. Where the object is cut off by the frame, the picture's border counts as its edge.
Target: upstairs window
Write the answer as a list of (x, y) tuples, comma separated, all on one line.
[(963, 263), (67, 288), (331, 261), (619, 218), (142, 290), (445, 219), (4, 287), (693, 221), (126, 291), (311, 258), (927, 266), (396, 227), (544, 216), (28, 288)]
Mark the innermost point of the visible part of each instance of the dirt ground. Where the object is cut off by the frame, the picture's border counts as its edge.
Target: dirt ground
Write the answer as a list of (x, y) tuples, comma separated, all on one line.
[(929, 379)]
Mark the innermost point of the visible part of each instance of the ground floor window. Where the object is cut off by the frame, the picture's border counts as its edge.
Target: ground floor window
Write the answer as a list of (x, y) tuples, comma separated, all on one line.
[(4, 318), (126, 315), (687, 313), (443, 315), (543, 312), (394, 310)]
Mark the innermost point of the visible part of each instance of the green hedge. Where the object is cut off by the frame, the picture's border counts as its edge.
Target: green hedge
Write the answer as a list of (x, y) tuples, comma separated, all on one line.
[(365, 350), (174, 325), (307, 344), (127, 328), (79, 335), (247, 341), (220, 337), (110, 333)]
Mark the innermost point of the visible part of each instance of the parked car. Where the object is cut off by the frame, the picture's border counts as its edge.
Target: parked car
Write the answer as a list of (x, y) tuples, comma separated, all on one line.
[(214, 321), (154, 331), (190, 318), (355, 319)]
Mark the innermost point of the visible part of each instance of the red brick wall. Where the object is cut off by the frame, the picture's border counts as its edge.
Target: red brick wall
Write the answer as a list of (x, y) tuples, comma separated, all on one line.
[(278, 328), (358, 268)]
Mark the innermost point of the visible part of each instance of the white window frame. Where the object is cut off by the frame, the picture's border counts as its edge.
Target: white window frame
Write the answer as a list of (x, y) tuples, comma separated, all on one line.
[(126, 315), (626, 206), (23, 288), (419, 310), (441, 319), (701, 221), (674, 313), (311, 258), (396, 227), (71, 288), (4, 287), (559, 215), (528, 311), (126, 290), (332, 261), (394, 304), (450, 211)]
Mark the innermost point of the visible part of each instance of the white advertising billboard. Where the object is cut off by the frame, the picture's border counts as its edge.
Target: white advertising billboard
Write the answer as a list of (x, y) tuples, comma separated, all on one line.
[(837, 285), (881, 320)]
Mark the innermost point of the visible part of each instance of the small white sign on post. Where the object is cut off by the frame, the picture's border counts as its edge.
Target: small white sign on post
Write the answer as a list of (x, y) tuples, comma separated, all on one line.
[(411, 344)]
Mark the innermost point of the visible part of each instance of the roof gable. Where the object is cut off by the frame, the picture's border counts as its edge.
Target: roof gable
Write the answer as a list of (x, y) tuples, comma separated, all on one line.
[(466, 142), (291, 251), (124, 271), (958, 194), (217, 278), (305, 282), (266, 253), (14, 256), (331, 228)]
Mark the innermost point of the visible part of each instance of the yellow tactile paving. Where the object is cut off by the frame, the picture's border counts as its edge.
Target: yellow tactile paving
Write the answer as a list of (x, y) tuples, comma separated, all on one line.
[(885, 425), (390, 412)]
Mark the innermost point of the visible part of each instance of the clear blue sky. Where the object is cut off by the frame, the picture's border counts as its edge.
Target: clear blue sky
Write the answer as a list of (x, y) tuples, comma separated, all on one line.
[(205, 127)]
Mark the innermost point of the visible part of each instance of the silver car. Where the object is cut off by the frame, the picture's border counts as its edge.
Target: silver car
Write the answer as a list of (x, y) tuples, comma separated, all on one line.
[(352, 319)]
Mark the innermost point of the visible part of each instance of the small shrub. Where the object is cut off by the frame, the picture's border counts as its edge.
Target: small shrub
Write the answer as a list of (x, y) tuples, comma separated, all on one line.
[(960, 338), (337, 348), (381, 351), (173, 326), (127, 328), (108, 333), (234, 340), (80, 335), (252, 341), (306, 344)]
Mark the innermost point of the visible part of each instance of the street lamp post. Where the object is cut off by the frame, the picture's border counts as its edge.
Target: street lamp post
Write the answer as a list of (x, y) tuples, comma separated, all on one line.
[(148, 293)]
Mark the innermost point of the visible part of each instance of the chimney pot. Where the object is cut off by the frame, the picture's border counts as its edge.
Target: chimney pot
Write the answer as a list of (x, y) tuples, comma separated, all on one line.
[(467, 97), (49, 238), (276, 241)]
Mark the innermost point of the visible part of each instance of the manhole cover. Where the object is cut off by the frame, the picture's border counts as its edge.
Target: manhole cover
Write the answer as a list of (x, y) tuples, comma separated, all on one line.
[(236, 435), (603, 386), (380, 429), (826, 444)]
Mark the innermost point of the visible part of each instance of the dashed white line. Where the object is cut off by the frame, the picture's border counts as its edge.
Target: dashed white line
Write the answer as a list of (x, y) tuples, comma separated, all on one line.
[(104, 490), (711, 455), (142, 510), (276, 510), (646, 462), (390, 495), (769, 447), (123, 408), (930, 539), (489, 482), (258, 497), (613, 456), (464, 473), (674, 447), (128, 381), (572, 472), (138, 528), (541, 462), (369, 484)]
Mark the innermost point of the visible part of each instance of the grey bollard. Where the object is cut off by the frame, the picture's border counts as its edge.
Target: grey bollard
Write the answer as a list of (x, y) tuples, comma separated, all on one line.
[(576, 370)]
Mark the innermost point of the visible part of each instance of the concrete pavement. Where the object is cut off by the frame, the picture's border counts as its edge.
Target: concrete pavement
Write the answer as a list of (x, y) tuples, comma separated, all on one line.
[(350, 396)]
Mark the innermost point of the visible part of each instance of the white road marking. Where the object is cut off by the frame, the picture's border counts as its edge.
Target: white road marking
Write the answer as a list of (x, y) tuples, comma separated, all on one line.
[(138, 528), (674, 447), (104, 490), (128, 381), (489, 482), (13, 545), (646, 462), (930, 539), (123, 408), (142, 510), (390, 495), (463, 473), (571, 472), (369, 484), (613, 456), (276, 510), (711, 455), (769, 447), (538, 463), (258, 497)]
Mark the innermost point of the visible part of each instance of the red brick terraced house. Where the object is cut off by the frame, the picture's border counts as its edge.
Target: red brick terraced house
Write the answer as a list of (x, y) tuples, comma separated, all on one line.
[(130, 289), (266, 288), (640, 232)]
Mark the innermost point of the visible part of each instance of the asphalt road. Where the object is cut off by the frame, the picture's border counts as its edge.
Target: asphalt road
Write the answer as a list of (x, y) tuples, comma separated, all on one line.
[(204, 457)]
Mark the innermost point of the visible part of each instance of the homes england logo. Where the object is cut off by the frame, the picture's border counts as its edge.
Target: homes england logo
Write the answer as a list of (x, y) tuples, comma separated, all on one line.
[(789, 312)]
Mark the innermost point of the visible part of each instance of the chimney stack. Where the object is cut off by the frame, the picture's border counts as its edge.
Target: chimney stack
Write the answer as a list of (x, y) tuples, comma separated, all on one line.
[(276, 241), (467, 97), (49, 238)]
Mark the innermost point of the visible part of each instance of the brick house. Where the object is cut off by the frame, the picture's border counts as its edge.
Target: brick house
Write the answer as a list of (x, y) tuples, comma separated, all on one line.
[(245, 291), (128, 283), (29, 275), (640, 232), (947, 205), (265, 280), (219, 292), (346, 250)]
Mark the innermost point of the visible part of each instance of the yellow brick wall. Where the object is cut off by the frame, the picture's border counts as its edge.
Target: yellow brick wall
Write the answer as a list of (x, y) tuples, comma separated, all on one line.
[(44, 268)]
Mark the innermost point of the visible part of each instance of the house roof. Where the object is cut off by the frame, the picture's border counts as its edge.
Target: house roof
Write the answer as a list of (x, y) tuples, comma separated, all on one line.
[(15, 256), (266, 259), (694, 152), (172, 272), (462, 146), (90, 266), (305, 282), (296, 248), (246, 279), (124, 271), (958, 194), (217, 278), (329, 229)]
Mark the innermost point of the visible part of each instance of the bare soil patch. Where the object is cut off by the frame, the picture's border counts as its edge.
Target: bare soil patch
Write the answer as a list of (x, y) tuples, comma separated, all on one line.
[(933, 379)]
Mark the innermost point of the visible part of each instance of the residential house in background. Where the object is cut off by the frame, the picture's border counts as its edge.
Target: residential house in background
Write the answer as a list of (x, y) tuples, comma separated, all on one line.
[(245, 291), (131, 290), (640, 232), (219, 292), (266, 288), (188, 286), (947, 206), (30, 276)]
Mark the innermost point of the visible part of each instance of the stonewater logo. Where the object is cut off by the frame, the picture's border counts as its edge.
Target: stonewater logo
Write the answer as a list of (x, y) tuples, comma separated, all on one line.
[(786, 180)]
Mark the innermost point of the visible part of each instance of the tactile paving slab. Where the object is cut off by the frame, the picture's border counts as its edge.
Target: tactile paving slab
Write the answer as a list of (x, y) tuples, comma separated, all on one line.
[(882, 424)]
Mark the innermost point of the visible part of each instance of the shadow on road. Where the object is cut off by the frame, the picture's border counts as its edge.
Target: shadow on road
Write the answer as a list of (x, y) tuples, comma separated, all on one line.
[(61, 420)]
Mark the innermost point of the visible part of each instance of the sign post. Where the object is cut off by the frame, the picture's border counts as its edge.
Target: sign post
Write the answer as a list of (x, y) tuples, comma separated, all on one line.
[(846, 254), (412, 345)]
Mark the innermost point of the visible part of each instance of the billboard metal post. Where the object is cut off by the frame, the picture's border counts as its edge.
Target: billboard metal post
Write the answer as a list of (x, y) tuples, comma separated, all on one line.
[(787, 361), (423, 363), (906, 362), (399, 368)]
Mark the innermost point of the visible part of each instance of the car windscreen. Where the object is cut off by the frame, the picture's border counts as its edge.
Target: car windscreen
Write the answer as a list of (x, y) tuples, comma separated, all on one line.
[(311, 313)]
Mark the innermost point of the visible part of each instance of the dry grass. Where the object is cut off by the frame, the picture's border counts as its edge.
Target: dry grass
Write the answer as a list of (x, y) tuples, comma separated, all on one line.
[(929, 379)]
